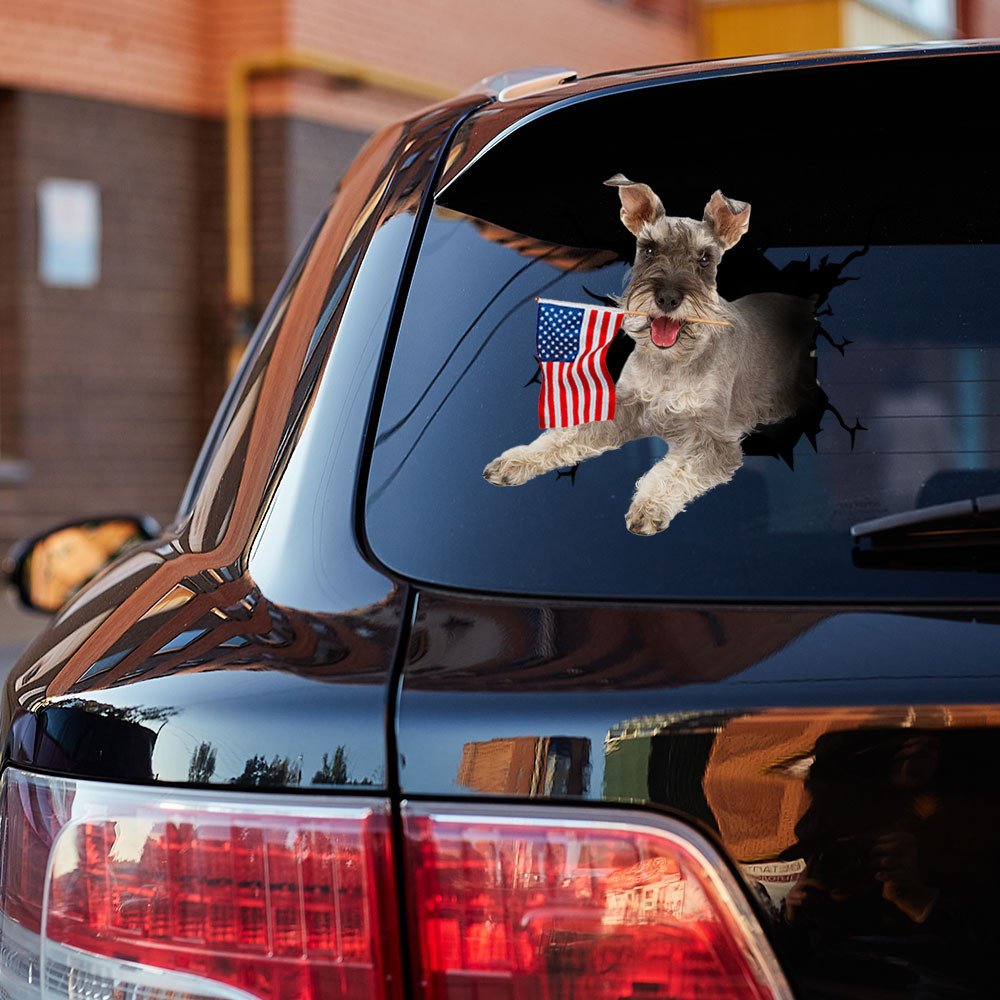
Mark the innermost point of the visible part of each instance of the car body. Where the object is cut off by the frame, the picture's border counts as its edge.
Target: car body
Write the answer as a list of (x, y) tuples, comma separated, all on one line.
[(749, 756)]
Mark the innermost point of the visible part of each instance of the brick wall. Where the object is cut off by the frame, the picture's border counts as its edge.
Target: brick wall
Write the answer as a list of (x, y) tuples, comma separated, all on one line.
[(456, 42), (296, 165), (105, 393), (174, 54), (211, 266), (137, 51), (109, 407), (979, 18), (9, 286)]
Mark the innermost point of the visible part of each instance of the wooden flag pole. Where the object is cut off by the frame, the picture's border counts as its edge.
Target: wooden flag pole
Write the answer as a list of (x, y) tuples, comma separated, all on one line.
[(636, 312)]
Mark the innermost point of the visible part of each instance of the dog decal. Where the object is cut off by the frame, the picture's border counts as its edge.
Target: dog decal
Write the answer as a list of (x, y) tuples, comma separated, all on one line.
[(704, 372)]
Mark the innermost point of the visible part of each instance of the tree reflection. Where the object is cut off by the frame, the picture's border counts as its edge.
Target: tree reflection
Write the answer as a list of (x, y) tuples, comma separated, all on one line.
[(136, 715), (280, 772), (202, 766), (334, 772)]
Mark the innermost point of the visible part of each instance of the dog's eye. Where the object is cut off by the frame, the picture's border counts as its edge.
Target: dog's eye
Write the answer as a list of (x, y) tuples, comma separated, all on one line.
[(648, 251), (704, 260)]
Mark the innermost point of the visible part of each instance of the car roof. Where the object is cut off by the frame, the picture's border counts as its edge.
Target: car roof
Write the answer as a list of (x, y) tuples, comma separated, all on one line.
[(536, 166), (494, 121)]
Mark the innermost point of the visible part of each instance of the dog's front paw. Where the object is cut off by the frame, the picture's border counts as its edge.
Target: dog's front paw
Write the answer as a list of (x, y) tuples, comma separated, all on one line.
[(647, 517), (512, 468)]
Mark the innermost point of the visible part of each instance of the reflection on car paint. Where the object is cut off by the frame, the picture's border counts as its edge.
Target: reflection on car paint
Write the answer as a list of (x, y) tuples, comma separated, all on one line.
[(848, 821), (527, 765), (274, 656), (253, 691), (841, 756)]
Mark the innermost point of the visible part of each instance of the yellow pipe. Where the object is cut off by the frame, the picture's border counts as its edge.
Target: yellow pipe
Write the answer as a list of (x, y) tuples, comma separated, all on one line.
[(239, 234), (239, 263)]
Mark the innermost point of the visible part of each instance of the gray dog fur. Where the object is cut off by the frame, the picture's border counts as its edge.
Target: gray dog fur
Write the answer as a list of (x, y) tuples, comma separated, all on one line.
[(705, 391)]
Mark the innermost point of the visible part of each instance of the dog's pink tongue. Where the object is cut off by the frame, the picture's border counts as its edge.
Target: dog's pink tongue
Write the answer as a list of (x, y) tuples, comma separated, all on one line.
[(664, 331)]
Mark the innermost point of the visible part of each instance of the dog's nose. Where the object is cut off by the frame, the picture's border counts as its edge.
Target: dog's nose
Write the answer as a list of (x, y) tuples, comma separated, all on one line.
[(669, 298)]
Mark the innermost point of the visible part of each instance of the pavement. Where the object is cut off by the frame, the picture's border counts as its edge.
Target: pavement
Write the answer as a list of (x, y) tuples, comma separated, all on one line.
[(18, 627)]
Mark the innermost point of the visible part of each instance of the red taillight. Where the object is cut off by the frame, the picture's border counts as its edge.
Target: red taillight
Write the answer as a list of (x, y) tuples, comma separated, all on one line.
[(155, 894), (557, 905), (271, 897)]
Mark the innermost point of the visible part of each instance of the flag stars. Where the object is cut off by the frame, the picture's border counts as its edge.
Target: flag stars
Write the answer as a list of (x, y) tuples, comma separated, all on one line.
[(572, 343), (559, 332)]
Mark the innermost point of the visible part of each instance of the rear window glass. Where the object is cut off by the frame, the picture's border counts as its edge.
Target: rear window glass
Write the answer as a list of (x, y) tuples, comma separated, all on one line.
[(892, 245)]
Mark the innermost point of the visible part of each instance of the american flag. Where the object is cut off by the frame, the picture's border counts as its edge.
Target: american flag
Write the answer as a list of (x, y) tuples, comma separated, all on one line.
[(573, 342)]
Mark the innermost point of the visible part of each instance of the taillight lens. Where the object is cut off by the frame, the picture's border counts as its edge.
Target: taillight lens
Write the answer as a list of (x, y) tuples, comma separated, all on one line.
[(116, 892), (145, 893), (563, 904)]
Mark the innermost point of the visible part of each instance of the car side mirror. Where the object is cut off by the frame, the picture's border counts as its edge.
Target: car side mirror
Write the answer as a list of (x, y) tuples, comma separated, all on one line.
[(47, 569)]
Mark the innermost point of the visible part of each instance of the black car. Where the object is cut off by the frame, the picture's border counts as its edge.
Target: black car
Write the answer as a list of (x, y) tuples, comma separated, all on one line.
[(359, 724)]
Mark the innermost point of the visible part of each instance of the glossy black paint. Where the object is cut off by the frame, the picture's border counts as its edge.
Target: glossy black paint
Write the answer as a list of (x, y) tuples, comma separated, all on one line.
[(494, 144), (255, 645), (237, 649), (842, 758), (480, 671), (236, 691)]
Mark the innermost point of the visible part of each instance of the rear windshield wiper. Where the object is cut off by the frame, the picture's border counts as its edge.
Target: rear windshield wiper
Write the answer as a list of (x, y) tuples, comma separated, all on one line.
[(961, 535)]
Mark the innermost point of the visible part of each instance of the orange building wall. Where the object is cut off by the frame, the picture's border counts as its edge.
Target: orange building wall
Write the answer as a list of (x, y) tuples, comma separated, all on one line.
[(134, 51), (105, 392), (174, 55), (979, 18), (454, 42), (744, 27)]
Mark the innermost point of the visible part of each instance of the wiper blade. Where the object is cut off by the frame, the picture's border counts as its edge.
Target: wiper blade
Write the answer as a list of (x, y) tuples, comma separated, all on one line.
[(961, 535), (958, 518)]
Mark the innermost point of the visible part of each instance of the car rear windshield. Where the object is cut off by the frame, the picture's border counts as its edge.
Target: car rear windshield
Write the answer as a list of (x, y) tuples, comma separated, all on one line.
[(883, 222)]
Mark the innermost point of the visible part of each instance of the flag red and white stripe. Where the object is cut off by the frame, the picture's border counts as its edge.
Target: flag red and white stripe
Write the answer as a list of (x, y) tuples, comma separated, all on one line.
[(573, 342)]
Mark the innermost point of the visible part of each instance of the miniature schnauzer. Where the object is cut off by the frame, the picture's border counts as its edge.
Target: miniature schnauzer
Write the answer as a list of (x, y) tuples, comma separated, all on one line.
[(699, 386)]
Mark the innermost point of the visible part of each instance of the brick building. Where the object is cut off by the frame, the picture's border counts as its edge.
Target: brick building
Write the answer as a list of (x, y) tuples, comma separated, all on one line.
[(109, 376), (107, 383)]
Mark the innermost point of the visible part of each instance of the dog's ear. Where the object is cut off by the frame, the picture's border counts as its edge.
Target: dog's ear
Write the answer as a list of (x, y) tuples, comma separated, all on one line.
[(639, 203), (728, 219)]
